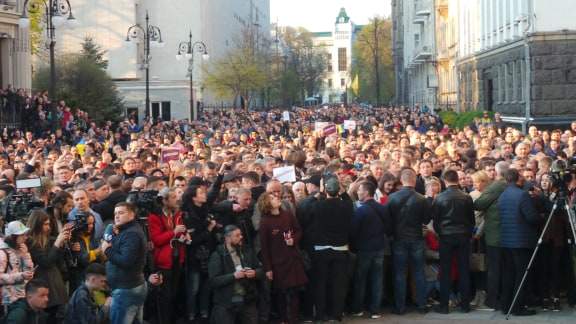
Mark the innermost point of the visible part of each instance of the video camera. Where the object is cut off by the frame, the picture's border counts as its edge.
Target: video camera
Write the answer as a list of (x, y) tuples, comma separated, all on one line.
[(21, 202), (562, 172), (146, 202), (80, 224)]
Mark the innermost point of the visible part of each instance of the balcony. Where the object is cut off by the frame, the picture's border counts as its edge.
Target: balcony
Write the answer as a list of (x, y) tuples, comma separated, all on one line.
[(423, 53), (8, 5)]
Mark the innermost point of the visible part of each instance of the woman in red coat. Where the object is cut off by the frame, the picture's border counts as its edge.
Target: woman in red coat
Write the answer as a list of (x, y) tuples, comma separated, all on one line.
[(280, 234)]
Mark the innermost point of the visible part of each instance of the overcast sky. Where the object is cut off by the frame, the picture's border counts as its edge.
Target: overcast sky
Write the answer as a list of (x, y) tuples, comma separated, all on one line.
[(320, 15)]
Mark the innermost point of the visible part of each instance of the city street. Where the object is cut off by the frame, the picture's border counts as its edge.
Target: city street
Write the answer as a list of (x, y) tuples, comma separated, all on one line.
[(475, 317)]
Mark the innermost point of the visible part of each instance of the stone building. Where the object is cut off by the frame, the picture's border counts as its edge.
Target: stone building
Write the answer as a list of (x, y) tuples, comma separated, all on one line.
[(15, 65), (518, 57)]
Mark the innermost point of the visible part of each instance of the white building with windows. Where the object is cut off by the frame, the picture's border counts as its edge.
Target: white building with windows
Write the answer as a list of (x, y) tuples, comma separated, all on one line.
[(217, 23), (339, 45), (15, 64)]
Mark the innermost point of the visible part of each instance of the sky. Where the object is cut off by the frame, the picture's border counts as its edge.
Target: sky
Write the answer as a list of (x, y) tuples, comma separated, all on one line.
[(320, 15)]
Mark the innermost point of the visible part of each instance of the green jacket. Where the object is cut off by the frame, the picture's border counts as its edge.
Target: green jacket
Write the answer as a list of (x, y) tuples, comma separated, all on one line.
[(20, 313), (488, 203)]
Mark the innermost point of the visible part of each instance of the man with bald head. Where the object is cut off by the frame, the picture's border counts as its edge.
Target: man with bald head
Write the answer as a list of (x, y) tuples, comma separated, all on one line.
[(82, 205)]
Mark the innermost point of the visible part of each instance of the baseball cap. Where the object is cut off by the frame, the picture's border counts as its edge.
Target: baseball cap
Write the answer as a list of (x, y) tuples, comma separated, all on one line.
[(332, 186), (15, 228)]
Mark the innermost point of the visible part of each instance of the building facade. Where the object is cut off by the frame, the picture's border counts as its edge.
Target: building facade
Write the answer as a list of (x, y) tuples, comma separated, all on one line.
[(338, 43), (516, 57), (414, 46), (217, 23), (15, 64)]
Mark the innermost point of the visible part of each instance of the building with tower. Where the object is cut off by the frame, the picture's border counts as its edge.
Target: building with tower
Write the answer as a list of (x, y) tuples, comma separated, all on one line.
[(338, 43)]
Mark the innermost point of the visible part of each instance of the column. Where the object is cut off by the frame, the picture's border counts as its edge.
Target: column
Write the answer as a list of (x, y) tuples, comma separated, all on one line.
[(514, 82)]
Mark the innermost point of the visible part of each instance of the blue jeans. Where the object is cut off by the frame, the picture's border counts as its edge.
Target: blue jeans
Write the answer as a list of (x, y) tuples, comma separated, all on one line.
[(413, 252), (128, 305), (197, 294), (369, 267)]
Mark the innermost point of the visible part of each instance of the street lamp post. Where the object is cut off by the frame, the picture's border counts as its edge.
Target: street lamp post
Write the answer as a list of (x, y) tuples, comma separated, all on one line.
[(58, 12), (187, 49), (150, 34)]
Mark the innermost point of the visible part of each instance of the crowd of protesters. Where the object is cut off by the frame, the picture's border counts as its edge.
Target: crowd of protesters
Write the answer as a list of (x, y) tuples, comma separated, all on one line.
[(395, 213)]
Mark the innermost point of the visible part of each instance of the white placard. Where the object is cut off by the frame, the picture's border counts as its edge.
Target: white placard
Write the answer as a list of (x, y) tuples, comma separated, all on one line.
[(286, 116), (350, 125), (319, 126), (285, 174)]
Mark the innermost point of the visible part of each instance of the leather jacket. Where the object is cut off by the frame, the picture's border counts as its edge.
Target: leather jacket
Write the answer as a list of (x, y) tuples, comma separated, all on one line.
[(453, 213), (409, 211)]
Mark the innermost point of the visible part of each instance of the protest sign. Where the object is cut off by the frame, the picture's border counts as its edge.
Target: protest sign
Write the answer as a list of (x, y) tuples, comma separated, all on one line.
[(170, 154), (286, 116), (350, 125), (285, 174)]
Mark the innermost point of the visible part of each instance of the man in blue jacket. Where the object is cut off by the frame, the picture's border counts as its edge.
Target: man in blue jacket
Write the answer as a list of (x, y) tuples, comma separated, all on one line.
[(519, 234), (126, 255), (370, 226)]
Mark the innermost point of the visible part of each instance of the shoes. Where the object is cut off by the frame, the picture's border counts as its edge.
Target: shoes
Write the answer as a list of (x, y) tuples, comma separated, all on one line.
[(545, 304), (465, 308), (556, 305), (524, 311), (441, 309), (423, 310), (359, 314), (375, 316), (398, 312)]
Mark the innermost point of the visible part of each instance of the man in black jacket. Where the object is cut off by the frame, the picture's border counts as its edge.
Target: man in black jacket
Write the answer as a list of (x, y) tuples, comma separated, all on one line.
[(106, 207), (409, 212), (234, 271), (82, 309), (126, 255), (453, 215), (331, 220)]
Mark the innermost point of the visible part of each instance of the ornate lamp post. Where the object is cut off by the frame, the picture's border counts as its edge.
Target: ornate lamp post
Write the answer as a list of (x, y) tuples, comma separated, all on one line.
[(187, 49), (58, 13), (150, 34)]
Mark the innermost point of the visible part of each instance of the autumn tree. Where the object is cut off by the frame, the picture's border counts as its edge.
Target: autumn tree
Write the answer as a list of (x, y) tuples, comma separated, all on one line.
[(373, 64)]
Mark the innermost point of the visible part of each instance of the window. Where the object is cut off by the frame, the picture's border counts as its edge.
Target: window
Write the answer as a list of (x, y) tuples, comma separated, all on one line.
[(342, 59), (329, 83), (329, 62), (342, 83), (416, 40), (161, 110)]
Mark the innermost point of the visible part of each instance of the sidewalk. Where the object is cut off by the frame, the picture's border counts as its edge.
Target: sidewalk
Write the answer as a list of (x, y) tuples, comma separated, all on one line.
[(568, 315)]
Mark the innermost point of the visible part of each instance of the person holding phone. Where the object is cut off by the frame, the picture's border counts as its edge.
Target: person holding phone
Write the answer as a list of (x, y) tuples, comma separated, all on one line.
[(16, 266), (234, 271)]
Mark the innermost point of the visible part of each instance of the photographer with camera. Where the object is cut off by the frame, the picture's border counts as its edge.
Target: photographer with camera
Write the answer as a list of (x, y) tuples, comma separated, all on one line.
[(82, 205), (58, 210), (84, 248), (169, 236), (234, 271), (201, 226), (48, 253)]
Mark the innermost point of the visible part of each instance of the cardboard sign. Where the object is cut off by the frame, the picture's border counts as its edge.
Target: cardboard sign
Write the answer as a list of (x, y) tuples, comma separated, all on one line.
[(329, 130), (319, 126), (285, 174), (286, 116), (170, 154), (350, 125)]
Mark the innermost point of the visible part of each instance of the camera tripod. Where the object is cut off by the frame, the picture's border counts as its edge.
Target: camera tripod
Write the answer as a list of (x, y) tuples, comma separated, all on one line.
[(561, 200)]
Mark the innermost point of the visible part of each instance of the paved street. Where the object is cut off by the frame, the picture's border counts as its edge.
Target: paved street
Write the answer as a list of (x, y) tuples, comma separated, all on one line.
[(476, 317)]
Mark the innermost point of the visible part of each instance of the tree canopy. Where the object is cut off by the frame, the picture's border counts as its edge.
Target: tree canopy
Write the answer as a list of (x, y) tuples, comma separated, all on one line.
[(84, 84), (373, 62)]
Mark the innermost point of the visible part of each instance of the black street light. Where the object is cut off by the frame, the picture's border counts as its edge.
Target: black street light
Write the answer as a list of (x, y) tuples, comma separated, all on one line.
[(58, 12), (187, 49), (149, 34)]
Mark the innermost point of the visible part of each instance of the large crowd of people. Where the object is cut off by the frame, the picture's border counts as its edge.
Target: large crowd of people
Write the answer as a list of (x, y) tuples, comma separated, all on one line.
[(385, 210)]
